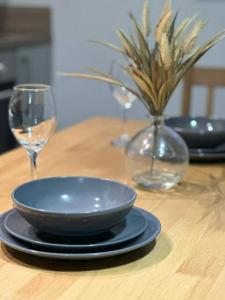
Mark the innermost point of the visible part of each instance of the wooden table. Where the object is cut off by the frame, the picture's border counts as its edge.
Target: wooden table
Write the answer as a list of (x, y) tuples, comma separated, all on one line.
[(187, 260)]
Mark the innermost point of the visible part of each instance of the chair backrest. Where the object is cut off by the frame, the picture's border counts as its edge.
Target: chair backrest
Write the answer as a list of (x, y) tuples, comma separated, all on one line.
[(209, 77)]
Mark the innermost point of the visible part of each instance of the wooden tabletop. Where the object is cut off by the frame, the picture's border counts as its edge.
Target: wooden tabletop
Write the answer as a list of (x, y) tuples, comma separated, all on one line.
[(186, 262)]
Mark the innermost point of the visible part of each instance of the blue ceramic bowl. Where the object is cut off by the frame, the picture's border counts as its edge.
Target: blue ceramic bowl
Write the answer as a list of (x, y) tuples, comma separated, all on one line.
[(73, 205), (199, 132)]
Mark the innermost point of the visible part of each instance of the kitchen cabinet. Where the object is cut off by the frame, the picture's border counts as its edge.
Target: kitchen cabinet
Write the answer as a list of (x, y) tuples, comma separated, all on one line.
[(30, 64), (25, 56), (7, 80), (33, 64)]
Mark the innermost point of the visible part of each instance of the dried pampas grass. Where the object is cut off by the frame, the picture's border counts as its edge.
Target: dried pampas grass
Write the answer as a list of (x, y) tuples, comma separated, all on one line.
[(156, 71)]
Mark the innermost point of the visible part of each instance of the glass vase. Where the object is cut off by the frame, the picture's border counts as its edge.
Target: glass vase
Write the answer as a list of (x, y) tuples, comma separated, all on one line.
[(157, 157)]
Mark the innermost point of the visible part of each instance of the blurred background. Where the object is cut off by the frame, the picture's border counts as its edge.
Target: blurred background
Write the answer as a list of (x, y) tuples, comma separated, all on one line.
[(53, 36)]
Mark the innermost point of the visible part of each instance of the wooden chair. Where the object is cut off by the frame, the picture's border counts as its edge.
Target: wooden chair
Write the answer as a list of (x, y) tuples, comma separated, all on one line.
[(209, 77)]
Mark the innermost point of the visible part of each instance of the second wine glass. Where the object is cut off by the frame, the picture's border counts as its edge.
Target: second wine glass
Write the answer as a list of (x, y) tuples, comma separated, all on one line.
[(32, 118), (124, 97)]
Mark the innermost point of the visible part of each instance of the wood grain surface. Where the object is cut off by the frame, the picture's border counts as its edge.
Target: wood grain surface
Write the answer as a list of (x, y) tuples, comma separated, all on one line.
[(186, 262)]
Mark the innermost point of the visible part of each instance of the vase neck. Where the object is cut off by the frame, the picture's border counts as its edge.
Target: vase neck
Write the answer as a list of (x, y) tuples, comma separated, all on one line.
[(156, 120)]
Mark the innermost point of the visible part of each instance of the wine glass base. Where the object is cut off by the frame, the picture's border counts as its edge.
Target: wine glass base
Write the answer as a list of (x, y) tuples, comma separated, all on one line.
[(121, 141)]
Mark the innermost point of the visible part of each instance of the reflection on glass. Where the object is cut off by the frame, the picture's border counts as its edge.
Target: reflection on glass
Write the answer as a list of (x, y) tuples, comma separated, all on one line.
[(124, 97), (32, 118)]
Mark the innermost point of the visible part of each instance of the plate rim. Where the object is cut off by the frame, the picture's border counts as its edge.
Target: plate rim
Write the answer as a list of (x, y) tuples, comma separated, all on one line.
[(86, 256), (206, 156), (75, 246)]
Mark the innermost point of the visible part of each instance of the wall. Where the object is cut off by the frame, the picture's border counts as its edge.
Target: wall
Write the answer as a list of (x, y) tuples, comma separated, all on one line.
[(74, 22)]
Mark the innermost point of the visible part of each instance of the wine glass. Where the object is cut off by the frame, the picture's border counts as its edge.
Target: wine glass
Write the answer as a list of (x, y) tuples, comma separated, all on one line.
[(32, 118), (124, 97)]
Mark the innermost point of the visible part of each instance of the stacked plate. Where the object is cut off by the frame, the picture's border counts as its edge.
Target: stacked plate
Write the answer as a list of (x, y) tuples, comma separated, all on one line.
[(76, 218), (138, 230), (205, 137), (208, 154)]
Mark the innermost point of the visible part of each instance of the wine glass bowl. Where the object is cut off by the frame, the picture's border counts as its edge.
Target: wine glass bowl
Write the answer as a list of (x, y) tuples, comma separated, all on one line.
[(32, 118), (124, 97)]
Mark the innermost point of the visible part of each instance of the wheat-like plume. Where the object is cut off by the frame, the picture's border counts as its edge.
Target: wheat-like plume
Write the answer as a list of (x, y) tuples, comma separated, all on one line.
[(165, 51), (190, 41), (164, 22), (156, 71), (145, 20)]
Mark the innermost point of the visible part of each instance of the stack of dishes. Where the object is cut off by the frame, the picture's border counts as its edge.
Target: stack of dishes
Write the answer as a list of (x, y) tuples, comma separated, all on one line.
[(205, 137), (76, 218)]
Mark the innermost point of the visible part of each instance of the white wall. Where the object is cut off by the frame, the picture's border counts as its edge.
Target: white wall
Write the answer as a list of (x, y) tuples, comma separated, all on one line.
[(75, 21)]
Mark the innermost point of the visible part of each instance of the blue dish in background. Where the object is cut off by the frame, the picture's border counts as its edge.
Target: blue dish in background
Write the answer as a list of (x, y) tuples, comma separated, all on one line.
[(197, 155), (199, 132), (73, 206)]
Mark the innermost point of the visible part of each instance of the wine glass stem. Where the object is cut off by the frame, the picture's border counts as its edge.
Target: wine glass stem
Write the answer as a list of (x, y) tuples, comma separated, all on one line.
[(33, 164), (124, 120)]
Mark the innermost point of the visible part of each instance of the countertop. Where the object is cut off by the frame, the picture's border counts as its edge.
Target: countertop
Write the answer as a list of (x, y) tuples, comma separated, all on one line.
[(16, 40), (187, 260), (24, 26)]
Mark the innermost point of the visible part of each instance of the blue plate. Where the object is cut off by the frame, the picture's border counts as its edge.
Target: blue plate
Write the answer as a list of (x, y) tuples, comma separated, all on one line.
[(200, 156), (134, 225), (199, 132), (151, 232)]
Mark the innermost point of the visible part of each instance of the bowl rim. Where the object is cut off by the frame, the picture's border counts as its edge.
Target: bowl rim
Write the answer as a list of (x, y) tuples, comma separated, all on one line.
[(189, 131), (91, 213)]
